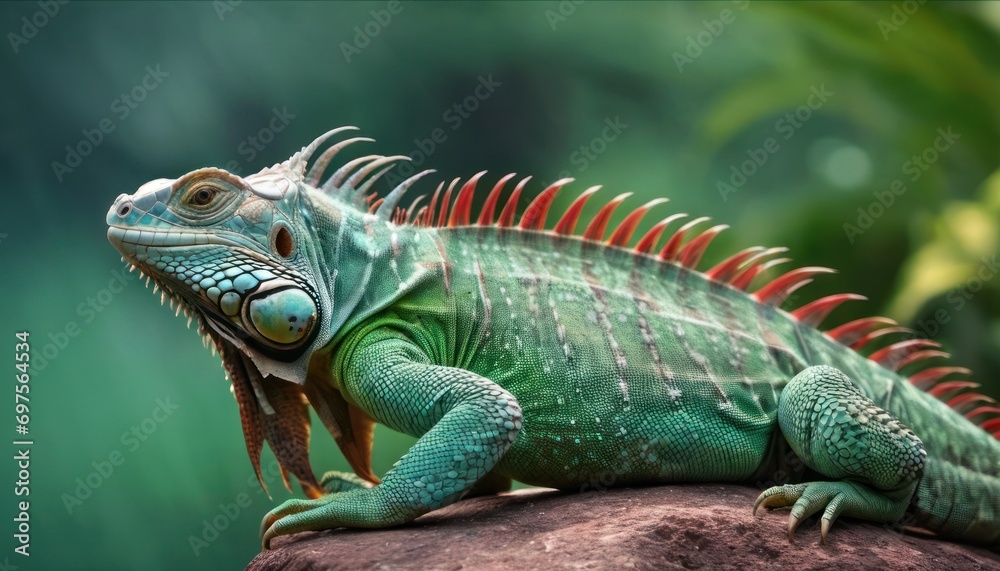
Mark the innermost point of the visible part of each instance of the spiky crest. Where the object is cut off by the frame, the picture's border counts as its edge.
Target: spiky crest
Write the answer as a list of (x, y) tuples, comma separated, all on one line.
[(353, 181)]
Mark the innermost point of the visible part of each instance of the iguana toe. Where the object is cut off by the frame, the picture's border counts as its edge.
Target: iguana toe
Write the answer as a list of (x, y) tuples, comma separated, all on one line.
[(293, 523), (833, 510), (803, 503), (778, 497), (825, 529), (335, 481), (269, 525)]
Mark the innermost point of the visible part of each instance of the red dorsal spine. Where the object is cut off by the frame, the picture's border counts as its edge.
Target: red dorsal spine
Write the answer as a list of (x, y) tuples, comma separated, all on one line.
[(622, 234), (691, 254), (814, 313), (595, 230), (510, 209), (489, 207), (534, 216), (463, 204), (567, 223)]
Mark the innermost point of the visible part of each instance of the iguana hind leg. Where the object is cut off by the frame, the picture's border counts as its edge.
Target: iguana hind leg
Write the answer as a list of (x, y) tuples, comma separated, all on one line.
[(839, 432)]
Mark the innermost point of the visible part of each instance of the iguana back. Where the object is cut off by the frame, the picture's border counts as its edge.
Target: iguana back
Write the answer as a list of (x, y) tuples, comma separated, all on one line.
[(596, 341)]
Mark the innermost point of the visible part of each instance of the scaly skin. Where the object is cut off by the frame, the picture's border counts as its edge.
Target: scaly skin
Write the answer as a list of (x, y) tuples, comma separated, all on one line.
[(517, 353)]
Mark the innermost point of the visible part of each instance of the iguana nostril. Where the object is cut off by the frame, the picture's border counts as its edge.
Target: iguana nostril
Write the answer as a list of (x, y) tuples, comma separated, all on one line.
[(124, 209)]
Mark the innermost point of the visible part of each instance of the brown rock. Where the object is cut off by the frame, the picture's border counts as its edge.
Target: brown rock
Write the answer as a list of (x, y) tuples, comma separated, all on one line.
[(663, 527)]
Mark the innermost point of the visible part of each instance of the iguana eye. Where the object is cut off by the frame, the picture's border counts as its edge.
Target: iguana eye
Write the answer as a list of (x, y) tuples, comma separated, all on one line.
[(201, 196)]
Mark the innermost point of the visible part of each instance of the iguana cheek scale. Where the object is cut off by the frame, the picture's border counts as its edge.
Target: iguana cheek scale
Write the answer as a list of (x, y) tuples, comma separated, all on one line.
[(516, 352)]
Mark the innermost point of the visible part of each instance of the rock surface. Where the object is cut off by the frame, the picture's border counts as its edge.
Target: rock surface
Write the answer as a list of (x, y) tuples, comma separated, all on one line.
[(663, 527)]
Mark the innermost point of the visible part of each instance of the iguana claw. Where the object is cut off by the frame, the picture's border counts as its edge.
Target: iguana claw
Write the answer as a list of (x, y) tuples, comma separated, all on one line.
[(265, 525), (265, 540), (267, 530), (824, 529), (793, 522), (805, 499), (779, 497)]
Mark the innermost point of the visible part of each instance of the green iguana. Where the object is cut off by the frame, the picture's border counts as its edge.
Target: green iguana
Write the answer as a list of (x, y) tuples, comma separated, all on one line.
[(513, 351)]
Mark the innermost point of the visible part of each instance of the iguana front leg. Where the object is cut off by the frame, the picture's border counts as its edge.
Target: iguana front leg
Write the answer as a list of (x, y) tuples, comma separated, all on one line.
[(837, 431), (467, 422)]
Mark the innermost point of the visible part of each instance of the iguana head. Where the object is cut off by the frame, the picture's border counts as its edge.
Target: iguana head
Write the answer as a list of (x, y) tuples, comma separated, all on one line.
[(244, 257), (237, 253)]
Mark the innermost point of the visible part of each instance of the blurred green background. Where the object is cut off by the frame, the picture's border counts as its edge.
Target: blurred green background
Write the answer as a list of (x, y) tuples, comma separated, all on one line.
[(694, 91)]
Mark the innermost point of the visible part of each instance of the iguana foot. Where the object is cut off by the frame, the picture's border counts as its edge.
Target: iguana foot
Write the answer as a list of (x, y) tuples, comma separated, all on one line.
[(277, 521), (835, 498), (334, 482), (374, 507), (344, 509)]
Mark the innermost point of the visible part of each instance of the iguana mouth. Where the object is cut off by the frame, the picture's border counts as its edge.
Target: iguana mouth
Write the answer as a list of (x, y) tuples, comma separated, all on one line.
[(170, 289), (211, 277), (165, 238)]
